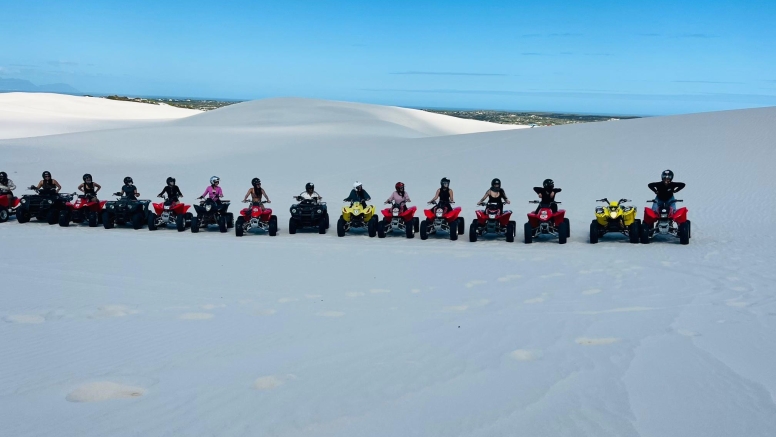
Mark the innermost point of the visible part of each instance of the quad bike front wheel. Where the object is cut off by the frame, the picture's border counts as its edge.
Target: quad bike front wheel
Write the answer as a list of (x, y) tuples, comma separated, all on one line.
[(52, 216), (568, 227), (222, 226), (137, 221), (92, 219), (461, 226), (380, 229), (108, 220), (409, 227), (645, 233), (594, 232), (684, 233), (416, 224), (22, 216), (563, 232), (341, 227), (239, 227), (151, 222), (273, 226), (4, 215), (424, 230), (473, 231), (322, 227), (194, 224), (292, 226), (64, 218), (511, 231), (634, 231), (528, 233), (371, 227), (180, 222)]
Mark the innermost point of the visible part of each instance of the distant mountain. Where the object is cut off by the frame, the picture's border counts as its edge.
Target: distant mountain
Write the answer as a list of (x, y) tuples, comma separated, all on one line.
[(8, 85)]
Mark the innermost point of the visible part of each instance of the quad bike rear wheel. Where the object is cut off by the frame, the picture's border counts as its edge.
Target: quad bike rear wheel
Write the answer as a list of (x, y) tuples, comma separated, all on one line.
[(273, 226), (341, 227), (107, 220), (511, 231), (371, 227), (151, 222), (380, 229), (180, 222), (594, 232), (424, 230), (473, 231), (684, 233), (563, 232), (137, 220), (4, 215), (239, 226), (461, 226), (93, 219), (527, 233), (64, 218), (194, 224)]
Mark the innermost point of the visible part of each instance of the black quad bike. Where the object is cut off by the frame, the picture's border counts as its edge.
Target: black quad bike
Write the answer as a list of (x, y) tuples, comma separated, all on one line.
[(124, 211), (44, 207), (212, 212), (308, 213)]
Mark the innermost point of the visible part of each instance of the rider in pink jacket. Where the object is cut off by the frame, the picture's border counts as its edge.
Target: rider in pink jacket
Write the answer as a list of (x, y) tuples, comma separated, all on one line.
[(213, 191)]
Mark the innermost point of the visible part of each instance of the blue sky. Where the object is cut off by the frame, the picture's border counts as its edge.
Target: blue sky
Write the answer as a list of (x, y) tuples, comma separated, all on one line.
[(627, 57)]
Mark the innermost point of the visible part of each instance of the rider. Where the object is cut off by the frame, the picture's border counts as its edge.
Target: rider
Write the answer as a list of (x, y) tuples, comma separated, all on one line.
[(129, 191), (256, 192), (309, 193), (445, 195), (399, 196), (48, 185), (664, 191), (89, 188), (495, 195), (547, 193), (358, 194), (213, 192), (6, 185), (173, 192)]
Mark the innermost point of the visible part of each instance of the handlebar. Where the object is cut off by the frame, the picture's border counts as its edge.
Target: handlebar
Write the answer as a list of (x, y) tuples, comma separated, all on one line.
[(653, 200), (536, 201)]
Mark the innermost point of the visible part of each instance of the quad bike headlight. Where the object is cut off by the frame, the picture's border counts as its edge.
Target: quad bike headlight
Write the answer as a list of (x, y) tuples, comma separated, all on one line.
[(439, 213), (24, 200), (396, 211), (208, 207), (613, 214), (319, 211), (492, 216), (293, 210)]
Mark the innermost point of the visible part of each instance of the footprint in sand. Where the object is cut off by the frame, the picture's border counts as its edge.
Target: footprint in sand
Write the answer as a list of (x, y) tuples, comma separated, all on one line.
[(25, 319), (104, 391), (272, 381), (287, 299), (508, 278), (455, 309), (539, 299), (591, 291), (415, 290), (355, 294), (196, 316), (585, 341), (212, 306), (330, 314), (114, 311), (475, 283), (736, 303), (379, 290), (687, 333), (264, 312), (525, 355)]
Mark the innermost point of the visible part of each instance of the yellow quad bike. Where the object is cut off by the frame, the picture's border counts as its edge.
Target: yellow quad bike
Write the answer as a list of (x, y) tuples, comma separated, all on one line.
[(357, 216), (615, 217)]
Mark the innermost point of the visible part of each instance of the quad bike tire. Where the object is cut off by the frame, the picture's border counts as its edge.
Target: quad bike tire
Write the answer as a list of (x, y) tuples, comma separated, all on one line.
[(22, 216), (273, 225), (93, 219), (152, 222), (689, 229), (563, 232), (645, 234), (180, 222), (527, 233), (52, 217), (371, 227), (594, 232), (511, 225), (229, 220), (189, 216), (461, 226), (380, 229), (222, 226), (137, 220), (568, 227), (416, 224), (292, 226), (4, 214), (341, 227), (239, 228), (453, 231), (322, 227), (194, 224), (424, 230), (64, 218), (684, 233), (410, 228), (473, 231), (326, 219), (108, 221), (634, 231)]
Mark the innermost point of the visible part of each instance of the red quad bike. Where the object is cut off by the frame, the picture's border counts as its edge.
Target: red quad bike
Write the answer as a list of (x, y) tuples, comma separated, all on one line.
[(165, 214), (439, 218), (665, 222), (545, 222), (82, 210), (256, 217), (398, 217), (8, 206), (492, 220)]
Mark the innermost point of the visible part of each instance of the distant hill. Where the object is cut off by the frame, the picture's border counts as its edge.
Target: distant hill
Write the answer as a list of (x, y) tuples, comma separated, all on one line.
[(21, 85)]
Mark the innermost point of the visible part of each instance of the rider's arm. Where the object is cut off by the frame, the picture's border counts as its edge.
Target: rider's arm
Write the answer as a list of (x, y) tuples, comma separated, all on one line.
[(264, 193), (164, 190), (59, 187), (81, 188), (504, 195), (40, 184), (452, 199), (97, 187), (319, 196), (436, 196), (250, 190), (653, 186), (678, 186), (484, 197), (366, 196), (179, 191)]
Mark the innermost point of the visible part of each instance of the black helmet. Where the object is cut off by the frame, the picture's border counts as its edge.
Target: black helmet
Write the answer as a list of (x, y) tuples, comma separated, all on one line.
[(495, 183), (87, 176), (667, 175), (255, 181), (127, 180), (171, 180), (309, 186), (3, 176), (46, 173), (444, 182), (548, 184)]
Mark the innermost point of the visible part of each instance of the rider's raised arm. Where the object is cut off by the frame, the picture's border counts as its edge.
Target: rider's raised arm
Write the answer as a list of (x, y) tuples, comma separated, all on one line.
[(40, 184), (678, 186), (319, 196), (487, 193), (250, 191), (56, 184), (163, 191), (97, 187), (653, 186), (81, 188), (452, 198)]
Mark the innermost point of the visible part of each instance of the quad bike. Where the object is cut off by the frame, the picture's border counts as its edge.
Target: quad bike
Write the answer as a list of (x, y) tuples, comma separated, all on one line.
[(615, 217), (123, 210), (439, 219), (256, 217), (357, 216), (8, 206), (84, 209), (546, 222), (165, 214), (667, 221), (398, 217), (212, 212), (492, 220), (44, 207), (308, 213)]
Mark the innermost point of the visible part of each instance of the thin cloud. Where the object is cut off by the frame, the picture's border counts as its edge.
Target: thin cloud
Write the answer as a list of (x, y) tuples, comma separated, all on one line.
[(58, 63), (550, 35), (702, 81), (598, 54), (648, 34), (697, 35), (446, 73), (533, 54)]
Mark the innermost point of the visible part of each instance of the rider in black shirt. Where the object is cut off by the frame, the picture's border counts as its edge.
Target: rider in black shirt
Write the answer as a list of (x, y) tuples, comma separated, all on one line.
[(547, 193), (89, 188), (358, 194), (129, 191), (48, 186), (172, 191), (664, 191), (445, 195), (495, 195)]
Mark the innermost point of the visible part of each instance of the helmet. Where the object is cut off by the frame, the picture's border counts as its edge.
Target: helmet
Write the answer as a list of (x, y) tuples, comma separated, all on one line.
[(356, 184), (171, 180), (214, 180), (46, 173), (87, 176), (127, 180), (400, 186), (255, 181), (548, 184), (667, 175), (3, 176), (309, 186), (495, 183), (444, 182)]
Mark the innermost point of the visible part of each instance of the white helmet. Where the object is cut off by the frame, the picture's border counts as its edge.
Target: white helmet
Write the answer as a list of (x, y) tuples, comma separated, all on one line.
[(356, 184), (214, 179)]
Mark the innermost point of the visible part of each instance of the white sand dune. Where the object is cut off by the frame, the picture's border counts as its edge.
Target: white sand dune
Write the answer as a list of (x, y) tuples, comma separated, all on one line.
[(473, 339)]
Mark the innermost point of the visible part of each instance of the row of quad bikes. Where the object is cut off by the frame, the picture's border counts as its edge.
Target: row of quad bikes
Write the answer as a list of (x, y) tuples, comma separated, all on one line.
[(615, 217)]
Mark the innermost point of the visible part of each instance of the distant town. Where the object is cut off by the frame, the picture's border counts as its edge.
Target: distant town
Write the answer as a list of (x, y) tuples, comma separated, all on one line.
[(501, 117)]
